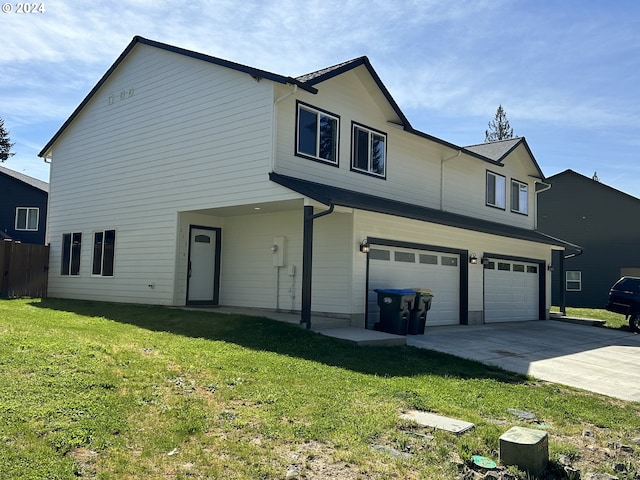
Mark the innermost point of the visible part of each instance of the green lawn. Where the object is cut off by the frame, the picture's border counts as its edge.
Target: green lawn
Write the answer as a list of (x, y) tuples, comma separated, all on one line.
[(95, 390), (612, 320)]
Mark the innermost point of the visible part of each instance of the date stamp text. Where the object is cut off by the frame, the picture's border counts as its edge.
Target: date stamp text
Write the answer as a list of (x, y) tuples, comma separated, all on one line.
[(20, 7)]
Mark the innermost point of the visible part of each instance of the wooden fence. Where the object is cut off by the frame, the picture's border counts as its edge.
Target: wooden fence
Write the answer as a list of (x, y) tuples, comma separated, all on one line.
[(24, 269)]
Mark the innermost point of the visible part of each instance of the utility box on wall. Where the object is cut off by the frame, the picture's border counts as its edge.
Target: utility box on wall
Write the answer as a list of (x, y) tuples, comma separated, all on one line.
[(278, 251)]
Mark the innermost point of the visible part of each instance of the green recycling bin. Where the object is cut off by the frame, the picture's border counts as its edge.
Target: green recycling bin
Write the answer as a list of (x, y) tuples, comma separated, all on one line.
[(418, 314), (395, 306)]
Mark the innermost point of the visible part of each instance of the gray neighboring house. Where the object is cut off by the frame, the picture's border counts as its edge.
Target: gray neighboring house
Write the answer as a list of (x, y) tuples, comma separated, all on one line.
[(601, 219)]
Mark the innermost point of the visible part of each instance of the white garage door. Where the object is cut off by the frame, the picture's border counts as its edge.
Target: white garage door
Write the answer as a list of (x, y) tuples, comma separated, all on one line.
[(510, 291), (391, 267)]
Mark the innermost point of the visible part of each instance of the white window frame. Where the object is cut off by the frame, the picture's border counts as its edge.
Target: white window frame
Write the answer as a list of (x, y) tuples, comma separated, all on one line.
[(29, 211), (371, 133), (100, 272), (519, 202), (319, 114), (497, 183), (576, 278)]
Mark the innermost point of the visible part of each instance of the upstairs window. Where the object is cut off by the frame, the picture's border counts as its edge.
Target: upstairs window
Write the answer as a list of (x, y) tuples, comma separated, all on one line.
[(27, 218), (104, 243), (71, 245), (496, 190), (317, 134), (369, 151), (519, 197)]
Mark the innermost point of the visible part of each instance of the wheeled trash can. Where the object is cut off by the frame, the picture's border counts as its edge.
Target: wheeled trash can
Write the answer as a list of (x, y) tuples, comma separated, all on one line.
[(395, 305), (418, 314)]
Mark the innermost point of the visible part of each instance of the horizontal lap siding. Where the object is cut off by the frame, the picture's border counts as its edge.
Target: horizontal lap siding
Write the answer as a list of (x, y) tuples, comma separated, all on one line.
[(248, 277), (191, 136), (413, 164)]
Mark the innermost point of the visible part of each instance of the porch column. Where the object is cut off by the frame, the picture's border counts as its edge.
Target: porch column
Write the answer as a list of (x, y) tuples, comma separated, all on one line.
[(307, 258)]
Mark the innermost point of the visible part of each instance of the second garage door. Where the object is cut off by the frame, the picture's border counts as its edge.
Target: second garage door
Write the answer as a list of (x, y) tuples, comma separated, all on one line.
[(391, 267), (511, 291)]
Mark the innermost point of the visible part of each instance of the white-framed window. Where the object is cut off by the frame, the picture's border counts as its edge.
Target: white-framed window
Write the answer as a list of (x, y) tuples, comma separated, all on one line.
[(519, 197), (71, 247), (574, 281), (317, 134), (104, 243), (368, 151), (27, 218), (496, 190)]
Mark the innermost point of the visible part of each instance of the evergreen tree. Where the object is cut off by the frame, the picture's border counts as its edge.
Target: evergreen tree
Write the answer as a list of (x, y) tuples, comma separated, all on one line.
[(5, 143), (499, 128)]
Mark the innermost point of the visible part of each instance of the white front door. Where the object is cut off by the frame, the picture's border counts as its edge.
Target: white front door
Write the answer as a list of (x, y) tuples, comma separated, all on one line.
[(204, 251)]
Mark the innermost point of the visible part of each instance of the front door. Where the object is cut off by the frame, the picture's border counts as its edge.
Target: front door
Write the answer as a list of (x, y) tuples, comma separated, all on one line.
[(204, 265)]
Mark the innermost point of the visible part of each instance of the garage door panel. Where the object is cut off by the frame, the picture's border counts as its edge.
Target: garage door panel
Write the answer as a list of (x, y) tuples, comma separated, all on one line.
[(404, 268), (511, 291)]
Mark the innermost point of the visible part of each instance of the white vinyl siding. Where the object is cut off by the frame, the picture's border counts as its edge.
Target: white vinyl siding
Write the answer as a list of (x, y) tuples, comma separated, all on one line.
[(190, 136)]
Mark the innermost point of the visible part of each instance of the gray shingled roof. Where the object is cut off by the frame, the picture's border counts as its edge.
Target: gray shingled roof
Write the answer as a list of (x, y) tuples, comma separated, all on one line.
[(34, 182), (328, 70), (495, 150)]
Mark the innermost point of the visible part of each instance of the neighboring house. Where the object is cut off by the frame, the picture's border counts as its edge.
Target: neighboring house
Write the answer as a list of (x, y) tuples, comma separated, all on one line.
[(185, 179), (604, 221), (23, 210)]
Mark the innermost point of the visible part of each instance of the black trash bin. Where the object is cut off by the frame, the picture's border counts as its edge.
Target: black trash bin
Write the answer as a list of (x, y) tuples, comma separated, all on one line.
[(418, 314), (395, 306)]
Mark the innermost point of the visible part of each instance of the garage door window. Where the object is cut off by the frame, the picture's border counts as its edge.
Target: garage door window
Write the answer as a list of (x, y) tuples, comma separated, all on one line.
[(428, 259), (405, 257), (532, 269), (376, 254), (450, 261), (504, 266), (518, 268)]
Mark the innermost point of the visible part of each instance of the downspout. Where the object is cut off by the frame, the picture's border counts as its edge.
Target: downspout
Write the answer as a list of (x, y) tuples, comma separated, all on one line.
[(442, 177), (544, 187), (274, 123), (307, 260)]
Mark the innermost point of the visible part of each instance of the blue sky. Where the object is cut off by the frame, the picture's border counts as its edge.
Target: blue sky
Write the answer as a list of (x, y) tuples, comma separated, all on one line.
[(566, 72)]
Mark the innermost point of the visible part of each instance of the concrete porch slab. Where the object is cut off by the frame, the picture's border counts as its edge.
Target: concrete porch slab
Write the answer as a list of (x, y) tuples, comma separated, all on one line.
[(362, 337)]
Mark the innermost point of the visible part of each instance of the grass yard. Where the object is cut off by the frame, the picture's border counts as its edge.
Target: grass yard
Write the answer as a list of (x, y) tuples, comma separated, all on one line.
[(612, 320), (95, 390)]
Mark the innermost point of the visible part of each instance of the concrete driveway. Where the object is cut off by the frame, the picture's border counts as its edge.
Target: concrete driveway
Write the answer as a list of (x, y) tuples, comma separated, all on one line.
[(597, 359)]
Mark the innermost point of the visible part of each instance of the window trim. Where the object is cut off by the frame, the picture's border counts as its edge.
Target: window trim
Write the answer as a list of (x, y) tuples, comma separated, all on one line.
[(518, 210), (26, 219), (504, 192), (317, 111), (69, 266), (101, 271), (370, 131), (578, 281)]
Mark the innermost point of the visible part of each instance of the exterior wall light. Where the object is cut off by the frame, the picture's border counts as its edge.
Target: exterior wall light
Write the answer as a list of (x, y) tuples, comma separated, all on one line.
[(364, 246), (473, 259)]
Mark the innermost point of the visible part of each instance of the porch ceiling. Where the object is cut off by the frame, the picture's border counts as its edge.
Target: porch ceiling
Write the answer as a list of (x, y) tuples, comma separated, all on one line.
[(253, 208)]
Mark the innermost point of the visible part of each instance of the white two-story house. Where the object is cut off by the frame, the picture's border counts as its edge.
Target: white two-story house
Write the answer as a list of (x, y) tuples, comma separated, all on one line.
[(185, 179)]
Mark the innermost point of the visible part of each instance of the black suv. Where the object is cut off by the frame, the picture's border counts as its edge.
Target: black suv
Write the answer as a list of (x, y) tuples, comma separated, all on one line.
[(624, 297)]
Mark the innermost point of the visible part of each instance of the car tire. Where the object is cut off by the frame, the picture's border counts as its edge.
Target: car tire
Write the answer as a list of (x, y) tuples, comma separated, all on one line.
[(634, 323)]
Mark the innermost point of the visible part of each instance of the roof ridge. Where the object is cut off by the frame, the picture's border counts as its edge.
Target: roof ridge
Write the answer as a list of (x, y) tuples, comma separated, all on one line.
[(323, 71)]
